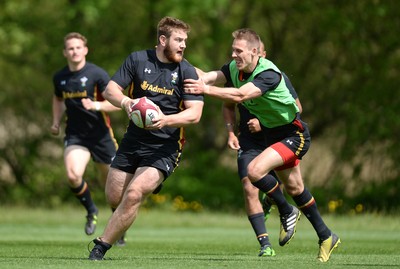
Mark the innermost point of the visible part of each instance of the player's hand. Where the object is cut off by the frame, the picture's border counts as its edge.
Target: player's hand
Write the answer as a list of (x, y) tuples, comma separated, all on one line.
[(127, 103), (233, 142), (195, 86), (158, 122), (55, 129), (88, 104), (254, 125)]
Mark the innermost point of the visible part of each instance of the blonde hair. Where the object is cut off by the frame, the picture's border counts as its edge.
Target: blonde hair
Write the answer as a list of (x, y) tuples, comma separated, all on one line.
[(75, 35)]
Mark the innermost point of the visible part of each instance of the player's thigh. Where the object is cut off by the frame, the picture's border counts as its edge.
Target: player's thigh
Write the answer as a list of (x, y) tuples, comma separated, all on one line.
[(146, 180), (76, 159), (264, 163), (117, 182)]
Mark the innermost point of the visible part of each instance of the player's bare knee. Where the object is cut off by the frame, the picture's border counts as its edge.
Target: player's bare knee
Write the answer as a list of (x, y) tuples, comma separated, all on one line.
[(113, 200), (133, 196), (247, 185), (253, 173), (293, 190), (74, 181)]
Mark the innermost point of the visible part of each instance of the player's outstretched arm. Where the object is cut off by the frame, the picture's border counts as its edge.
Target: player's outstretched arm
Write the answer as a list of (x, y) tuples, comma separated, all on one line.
[(235, 95), (213, 78), (99, 105)]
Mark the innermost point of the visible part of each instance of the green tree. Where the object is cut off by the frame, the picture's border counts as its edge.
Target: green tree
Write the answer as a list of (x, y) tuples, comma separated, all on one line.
[(342, 57)]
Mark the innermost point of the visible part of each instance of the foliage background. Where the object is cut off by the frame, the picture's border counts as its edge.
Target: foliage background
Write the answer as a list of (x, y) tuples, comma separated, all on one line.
[(343, 58)]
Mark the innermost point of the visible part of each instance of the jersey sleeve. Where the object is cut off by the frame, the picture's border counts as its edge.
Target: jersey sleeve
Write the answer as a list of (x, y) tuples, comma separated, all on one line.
[(102, 80), (227, 73), (125, 74), (188, 71), (56, 82), (267, 80)]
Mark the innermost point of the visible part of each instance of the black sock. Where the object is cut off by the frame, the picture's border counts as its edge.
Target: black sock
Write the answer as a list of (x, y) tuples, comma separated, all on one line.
[(83, 195), (306, 203), (258, 224), (102, 246), (270, 186)]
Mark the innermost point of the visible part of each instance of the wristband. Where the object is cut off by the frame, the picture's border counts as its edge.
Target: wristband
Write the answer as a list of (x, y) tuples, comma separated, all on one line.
[(123, 101), (229, 125), (97, 106)]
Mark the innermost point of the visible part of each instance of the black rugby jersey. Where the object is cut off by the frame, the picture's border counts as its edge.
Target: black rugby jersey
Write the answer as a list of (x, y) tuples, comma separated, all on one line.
[(89, 82), (144, 75)]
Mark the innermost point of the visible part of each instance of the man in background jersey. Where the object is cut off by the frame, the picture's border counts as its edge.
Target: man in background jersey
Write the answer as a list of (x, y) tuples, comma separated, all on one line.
[(78, 91), (258, 84), (147, 157)]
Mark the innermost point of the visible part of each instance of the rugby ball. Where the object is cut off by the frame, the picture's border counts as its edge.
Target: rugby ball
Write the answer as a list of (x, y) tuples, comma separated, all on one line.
[(143, 112)]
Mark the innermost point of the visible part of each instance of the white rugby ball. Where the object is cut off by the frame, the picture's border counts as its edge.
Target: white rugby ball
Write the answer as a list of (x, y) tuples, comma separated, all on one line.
[(143, 112)]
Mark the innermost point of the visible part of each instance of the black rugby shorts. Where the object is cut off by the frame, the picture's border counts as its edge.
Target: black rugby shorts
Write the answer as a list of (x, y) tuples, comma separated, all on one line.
[(102, 148), (164, 157)]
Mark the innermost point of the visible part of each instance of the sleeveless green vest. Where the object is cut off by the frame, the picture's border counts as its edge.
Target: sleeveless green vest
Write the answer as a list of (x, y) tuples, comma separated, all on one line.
[(274, 108)]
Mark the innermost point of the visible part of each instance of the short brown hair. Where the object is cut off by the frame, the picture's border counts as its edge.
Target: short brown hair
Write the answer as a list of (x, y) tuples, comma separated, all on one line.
[(168, 24), (252, 38), (75, 35)]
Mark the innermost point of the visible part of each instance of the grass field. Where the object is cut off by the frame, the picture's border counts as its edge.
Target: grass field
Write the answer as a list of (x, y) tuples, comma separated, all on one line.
[(38, 238)]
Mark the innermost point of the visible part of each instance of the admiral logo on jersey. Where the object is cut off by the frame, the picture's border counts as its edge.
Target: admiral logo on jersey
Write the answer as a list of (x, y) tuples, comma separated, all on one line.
[(148, 87), (71, 95)]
